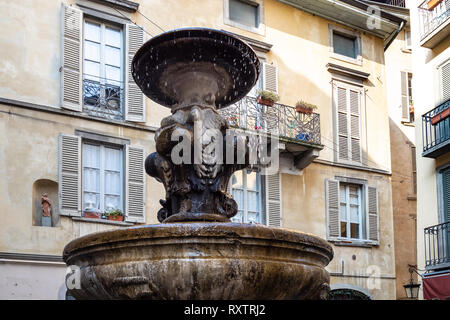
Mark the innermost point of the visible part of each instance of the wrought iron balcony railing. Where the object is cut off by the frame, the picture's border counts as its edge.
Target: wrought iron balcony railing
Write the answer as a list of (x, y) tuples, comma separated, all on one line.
[(431, 19), (103, 100), (437, 246), (278, 119), (436, 130), (397, 3)]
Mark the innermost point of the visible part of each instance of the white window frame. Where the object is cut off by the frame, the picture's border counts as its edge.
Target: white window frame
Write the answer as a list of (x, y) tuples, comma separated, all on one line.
[(102, 80), (358, 44), (348, 213), (262, 212), (102, 173), (408, 46), (260, 8)]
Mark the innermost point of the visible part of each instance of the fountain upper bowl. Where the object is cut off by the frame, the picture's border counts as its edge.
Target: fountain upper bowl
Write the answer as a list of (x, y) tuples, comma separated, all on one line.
[(167, 60)]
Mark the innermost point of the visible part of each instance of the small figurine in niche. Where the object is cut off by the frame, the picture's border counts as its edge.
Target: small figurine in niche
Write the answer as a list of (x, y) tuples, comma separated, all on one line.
[(46, 211)]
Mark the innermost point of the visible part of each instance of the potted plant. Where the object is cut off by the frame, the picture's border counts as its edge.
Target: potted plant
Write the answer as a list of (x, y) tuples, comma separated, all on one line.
[(305, 107), (91, 214), (267, 98), (115, 215)]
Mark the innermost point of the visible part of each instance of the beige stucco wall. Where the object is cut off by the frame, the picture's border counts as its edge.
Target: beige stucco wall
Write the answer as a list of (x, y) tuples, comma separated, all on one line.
[(29, 64), (303, 208), (402, 138), (427, 96)]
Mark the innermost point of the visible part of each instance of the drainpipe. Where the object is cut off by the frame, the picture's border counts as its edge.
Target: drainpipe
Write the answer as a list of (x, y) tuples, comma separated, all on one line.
[(394, 35)]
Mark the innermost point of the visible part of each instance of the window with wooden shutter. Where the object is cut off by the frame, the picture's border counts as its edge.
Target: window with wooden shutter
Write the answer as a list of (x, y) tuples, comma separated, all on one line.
[(445, 81), (373, 217), (245, 187), (444, 194), (348, 132), (273, 200), (69, 175), (135, 101), (270, 77), (71, 57), (135, 184), (332, 208)]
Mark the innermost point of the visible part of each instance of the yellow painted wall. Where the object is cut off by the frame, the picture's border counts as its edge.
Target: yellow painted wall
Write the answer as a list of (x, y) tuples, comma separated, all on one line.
[(29, 64)]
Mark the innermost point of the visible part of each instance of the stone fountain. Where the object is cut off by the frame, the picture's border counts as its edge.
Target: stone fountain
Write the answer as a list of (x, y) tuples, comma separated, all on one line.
[(197, 252)]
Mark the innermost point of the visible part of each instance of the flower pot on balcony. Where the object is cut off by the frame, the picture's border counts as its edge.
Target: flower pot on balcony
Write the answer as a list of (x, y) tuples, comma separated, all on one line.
[(440, 116), (433, 4), (92, 214), (265, 102), (115, 218), (303, 109)]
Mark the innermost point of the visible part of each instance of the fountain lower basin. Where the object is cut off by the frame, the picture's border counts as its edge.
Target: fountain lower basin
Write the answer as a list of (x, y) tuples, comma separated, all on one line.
[(200, 261)]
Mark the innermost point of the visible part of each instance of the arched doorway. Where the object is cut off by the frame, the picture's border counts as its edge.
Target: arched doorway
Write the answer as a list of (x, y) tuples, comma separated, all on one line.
[(348, 292)]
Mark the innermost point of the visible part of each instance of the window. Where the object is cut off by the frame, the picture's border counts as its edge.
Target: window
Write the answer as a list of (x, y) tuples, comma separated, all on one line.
[(347, 101), (414, 169), (444, 76), (97, 173), (350, 211), (244, 12), (246, 191), (408, 39), (444, 194), (96, 56), (407, 97), (344, 45), (102, 177), (103, 69)]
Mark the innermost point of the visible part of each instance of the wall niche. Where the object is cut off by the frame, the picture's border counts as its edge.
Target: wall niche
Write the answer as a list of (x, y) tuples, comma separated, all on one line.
[(45, 203)]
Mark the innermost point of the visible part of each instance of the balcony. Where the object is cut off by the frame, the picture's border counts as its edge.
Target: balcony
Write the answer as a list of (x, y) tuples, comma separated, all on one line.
[(397, 3), (104, 100), (299, 133), (434, 19), (437, 246), (436, 131)]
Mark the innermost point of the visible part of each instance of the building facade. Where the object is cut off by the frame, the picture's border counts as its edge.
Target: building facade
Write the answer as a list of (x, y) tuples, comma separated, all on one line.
[(76, 129), (400, 97), (430, 25)]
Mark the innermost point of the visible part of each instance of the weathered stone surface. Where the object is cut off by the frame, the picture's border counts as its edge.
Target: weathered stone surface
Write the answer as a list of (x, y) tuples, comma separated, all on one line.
[(200, 261)]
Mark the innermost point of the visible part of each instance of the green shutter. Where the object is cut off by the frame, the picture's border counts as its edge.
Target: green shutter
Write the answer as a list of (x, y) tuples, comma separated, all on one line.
[(446, 193)]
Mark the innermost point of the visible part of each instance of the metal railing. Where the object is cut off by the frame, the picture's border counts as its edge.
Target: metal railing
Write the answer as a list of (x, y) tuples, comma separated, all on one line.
[(397, 3), (430, 20), (437, 246), (436, 126), (103, 100), (278, 119)]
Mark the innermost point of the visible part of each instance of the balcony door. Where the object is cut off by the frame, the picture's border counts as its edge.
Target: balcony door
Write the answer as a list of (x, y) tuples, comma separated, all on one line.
[(443, 231)]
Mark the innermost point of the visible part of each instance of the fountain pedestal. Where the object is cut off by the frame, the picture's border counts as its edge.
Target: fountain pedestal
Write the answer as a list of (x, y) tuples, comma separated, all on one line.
[(197, 253)]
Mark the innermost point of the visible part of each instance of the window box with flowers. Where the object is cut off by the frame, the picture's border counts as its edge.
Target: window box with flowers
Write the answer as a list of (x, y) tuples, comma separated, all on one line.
[(114, 215), (305, 107), (267, 98)]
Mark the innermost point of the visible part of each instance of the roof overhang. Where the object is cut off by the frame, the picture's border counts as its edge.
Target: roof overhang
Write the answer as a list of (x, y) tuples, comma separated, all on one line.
[(354, 14)]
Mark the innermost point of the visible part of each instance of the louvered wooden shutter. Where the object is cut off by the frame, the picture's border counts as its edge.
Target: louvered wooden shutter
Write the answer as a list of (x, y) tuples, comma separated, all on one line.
[(134, 99), (332, 208), (69, 175), (445, 81), (446, 194), (372, 203), (342, 123), (355, 132), (135, 184), (71, 57), (273, 200), (404, 92), (348, 105), (270, 77)]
